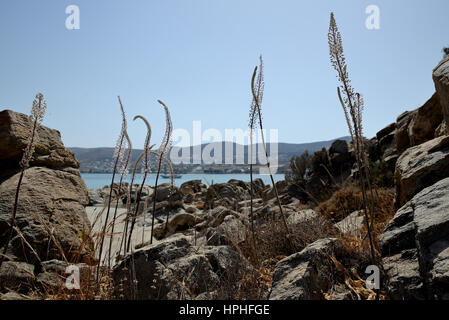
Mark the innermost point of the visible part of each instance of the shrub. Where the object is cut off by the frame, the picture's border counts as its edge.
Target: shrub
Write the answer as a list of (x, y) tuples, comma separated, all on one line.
[(300, 169)]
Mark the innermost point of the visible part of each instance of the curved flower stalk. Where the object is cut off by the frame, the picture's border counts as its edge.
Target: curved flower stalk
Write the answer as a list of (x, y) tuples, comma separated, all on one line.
[(146, 151), (38, 109), (118, 157), (163, 150), (146, 143), (257, 93), (353, 105), (253, 117), (123, 173)]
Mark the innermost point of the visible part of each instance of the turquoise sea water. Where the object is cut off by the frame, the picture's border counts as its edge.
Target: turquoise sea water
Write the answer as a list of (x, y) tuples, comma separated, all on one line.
[(99, 180)]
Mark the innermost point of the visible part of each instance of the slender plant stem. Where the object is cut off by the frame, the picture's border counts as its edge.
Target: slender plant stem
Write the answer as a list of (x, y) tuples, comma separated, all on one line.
[(251, 195), (154, 199), (136, 210), (113, 222), (107, 218), (268, 163)]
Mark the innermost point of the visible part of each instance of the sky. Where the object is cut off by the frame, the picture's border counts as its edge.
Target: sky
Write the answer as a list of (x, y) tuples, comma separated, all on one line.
[(198, 57)]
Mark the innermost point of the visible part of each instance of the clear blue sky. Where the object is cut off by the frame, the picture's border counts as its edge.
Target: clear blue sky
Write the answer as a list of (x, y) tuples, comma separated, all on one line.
[(198, 56)]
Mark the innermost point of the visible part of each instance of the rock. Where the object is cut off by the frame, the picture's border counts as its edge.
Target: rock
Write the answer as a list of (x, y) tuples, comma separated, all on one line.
[(387, 145), (14, 296), (305, 275), (386, 131), (49, 149), (425, 121), (421, 166), (179, 222), (218, 214), (228, 193), (441, 130), (164, 191), (53, 275), (338, 146), (17, 276), (352, 224), (270, 193), (95, 198), (405, 282), (341, 160), (173, 269), (422, 225), (51, 204), (231, 232), (192, 187), (402, 133), (441, 79), (301, 216)]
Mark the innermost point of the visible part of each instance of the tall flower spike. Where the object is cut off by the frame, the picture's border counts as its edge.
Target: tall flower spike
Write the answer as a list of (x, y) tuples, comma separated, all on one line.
[(119, 151), (39, 108), (146, 147), (338, 61), (125, 165), (166, 141), (353, 105), (259, 86), (37, 115)]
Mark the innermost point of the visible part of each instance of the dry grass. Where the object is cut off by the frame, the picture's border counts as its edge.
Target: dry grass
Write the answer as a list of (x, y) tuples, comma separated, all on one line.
[(349, 199)]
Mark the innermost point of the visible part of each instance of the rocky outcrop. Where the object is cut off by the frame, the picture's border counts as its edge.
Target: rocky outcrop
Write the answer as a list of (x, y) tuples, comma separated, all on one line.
[(51, 216), (50, 208), (421, 166), (425, 121), (230, 232), (175, 269), (49, 150), (441, 79), (181, 221), (305, 275), (352, 224), (415, 245)]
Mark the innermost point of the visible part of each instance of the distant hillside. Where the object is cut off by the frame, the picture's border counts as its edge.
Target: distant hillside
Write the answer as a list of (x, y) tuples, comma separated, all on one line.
[(100, 159)]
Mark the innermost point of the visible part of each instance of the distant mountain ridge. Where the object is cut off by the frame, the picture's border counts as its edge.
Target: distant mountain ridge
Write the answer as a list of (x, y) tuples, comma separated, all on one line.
[(100, 159)]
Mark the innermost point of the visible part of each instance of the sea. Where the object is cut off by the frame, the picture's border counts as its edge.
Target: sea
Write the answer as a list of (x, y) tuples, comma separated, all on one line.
[(99, 180)]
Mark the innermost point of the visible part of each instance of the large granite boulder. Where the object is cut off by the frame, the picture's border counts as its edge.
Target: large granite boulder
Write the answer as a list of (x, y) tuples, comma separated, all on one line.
[(415, 246), (175, 269), (306, 275), (425, 121), (51, 216), (49, 150), (50, 208), (421, 166)]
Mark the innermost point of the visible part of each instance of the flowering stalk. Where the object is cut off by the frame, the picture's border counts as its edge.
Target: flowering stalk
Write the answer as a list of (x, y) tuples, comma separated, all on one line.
[(253, 116), (352, 104), (123, 173), (257, 106), (146, 151), (163, 150), (118, 157)]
